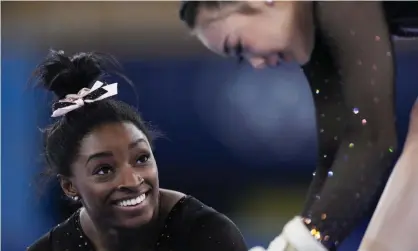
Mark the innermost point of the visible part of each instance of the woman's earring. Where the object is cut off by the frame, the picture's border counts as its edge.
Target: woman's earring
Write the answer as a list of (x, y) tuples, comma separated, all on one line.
[(75, 198)]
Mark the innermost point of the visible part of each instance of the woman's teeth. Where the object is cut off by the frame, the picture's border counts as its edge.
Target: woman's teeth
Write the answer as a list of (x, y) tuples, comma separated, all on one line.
[(132, 202)]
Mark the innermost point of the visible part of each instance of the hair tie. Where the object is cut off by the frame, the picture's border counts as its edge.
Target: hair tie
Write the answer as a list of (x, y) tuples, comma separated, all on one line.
[(71, 102)]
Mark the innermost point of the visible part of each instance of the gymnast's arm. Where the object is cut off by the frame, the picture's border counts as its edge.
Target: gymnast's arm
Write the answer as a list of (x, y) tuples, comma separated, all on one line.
[(393, 225), (216, 232), (359, 41), (42, 244)]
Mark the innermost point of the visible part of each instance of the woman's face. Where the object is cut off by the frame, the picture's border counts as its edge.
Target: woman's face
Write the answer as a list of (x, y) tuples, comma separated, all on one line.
[(264, 33), (116, 177)]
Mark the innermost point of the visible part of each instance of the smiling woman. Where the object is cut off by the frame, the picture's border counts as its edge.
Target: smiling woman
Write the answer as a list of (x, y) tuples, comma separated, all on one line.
[(101, 151)]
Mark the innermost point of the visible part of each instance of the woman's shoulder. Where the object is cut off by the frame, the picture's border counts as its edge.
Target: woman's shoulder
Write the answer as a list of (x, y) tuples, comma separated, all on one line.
[(182, 211), (183, 207), (42, 244), (57, 234), (201, 227), (192, 219)]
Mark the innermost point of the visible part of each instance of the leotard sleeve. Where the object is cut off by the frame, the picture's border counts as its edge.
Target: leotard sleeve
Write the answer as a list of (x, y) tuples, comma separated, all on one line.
[(351, 73)]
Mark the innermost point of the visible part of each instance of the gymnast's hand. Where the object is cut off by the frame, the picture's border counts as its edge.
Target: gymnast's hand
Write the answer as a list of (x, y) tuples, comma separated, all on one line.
[(295, 237), (278, 244)]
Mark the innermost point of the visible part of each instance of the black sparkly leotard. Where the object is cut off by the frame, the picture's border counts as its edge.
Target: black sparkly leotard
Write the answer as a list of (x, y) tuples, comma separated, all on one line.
[(352, 77), (190, 226)]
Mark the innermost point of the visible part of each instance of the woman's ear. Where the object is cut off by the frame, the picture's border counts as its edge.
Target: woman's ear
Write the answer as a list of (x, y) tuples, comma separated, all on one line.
[(68, 186)]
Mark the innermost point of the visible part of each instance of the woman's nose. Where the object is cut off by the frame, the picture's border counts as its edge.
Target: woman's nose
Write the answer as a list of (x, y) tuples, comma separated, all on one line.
[(129, 178)]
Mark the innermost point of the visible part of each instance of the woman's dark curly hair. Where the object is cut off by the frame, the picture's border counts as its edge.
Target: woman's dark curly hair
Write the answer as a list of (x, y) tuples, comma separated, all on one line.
[(68, 75)]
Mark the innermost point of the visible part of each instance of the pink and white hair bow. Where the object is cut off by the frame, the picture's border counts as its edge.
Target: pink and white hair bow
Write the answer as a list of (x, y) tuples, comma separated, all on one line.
[(71, 102)]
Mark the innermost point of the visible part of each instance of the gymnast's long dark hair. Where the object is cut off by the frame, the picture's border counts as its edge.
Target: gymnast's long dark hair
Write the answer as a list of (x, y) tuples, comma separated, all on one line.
[(190, 9)]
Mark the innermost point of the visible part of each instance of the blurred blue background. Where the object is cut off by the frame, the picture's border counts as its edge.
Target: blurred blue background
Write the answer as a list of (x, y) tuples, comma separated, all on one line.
[(240, 140)]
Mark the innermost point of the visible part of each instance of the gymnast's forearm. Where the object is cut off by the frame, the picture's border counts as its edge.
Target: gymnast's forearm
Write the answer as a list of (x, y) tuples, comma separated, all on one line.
[(361, 47), (359, 170)]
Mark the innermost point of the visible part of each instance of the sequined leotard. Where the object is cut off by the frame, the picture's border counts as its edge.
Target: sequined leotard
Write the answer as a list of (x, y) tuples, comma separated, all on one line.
[(190, 226), (352, 76)]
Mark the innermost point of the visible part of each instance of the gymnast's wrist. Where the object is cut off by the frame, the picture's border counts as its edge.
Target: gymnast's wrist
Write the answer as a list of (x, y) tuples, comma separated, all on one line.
[(302, 237), (321, 235)]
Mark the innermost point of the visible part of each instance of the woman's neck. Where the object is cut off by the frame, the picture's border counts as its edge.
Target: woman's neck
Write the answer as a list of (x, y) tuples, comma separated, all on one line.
[(105, 238)]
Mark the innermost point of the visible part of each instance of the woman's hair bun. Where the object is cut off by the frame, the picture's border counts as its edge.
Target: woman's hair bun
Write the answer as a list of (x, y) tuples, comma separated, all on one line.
[(68, 75)]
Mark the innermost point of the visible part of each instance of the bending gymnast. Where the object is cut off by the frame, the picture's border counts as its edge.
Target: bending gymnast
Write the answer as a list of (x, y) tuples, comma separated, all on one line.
[(346, 53), (101, 151)]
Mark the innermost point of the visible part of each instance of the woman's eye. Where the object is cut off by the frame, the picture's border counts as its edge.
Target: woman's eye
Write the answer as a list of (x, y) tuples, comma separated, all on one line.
[(142, 159), (104, 170), (239, 51)]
